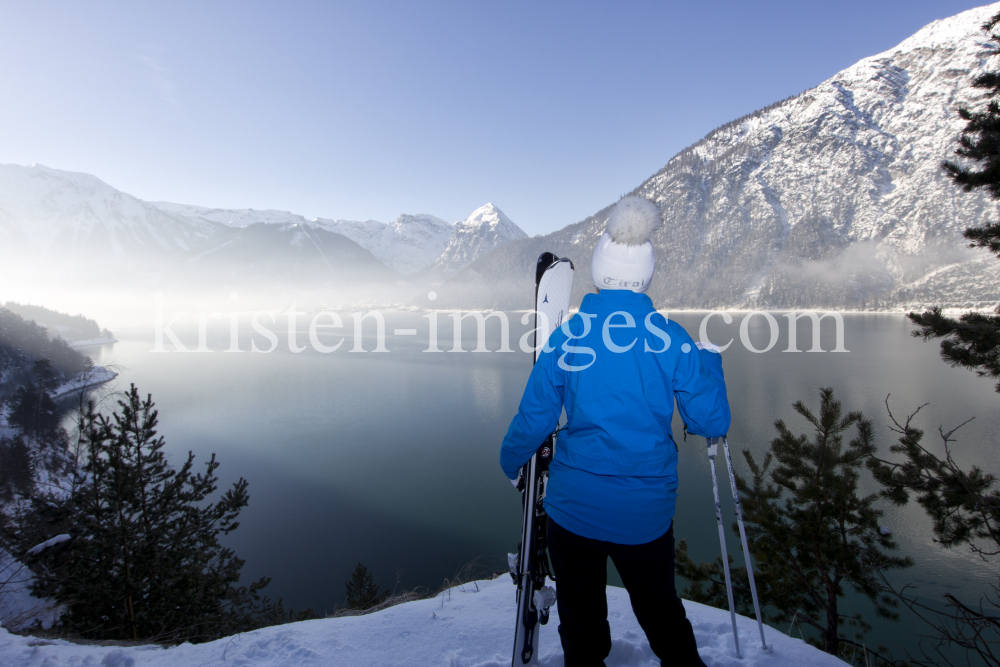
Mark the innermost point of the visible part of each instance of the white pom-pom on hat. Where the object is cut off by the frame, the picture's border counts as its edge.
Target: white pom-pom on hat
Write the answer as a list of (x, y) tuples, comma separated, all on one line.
[(633, 220), (624, 258)]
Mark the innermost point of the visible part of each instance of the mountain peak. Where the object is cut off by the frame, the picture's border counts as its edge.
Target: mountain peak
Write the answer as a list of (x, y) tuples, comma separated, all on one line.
[(948, 30), (486, 228), (492, 216)]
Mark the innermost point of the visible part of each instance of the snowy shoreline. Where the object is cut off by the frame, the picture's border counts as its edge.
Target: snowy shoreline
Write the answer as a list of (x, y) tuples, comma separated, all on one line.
[(467, 626), (96, 376), (92, 342)]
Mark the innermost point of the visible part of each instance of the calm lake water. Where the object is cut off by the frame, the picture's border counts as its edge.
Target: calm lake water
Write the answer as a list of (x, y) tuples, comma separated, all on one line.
[(391, 458)]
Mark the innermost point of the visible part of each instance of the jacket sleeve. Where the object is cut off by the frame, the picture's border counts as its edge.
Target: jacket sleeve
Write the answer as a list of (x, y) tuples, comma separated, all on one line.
[(700, 388), (537, 416)]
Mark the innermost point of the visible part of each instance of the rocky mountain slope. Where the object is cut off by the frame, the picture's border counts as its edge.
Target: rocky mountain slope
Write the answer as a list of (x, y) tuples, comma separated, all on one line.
[(230, 217), (49, 212), (486, 229), (427, 247), (287, 253), (833, 198), (407, 245)]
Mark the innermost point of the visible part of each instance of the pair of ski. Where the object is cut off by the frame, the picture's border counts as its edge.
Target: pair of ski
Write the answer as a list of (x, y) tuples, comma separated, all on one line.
[(530, 565)]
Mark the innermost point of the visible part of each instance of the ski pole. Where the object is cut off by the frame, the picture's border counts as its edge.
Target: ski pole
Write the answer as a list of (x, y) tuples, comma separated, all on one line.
[(743, 538), (713, 449)]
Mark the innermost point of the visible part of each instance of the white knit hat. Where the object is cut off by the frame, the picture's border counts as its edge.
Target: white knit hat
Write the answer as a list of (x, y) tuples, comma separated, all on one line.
[(624, 257)]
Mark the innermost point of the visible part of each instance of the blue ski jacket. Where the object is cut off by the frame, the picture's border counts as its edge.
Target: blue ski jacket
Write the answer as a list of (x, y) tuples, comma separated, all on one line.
[(616, 366)]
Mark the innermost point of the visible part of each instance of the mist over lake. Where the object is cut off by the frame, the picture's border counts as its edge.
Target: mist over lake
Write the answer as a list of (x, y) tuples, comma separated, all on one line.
[(391, 458)]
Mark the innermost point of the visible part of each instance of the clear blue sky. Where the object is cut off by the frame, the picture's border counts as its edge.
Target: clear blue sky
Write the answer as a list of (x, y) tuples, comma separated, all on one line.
[(370, 109)]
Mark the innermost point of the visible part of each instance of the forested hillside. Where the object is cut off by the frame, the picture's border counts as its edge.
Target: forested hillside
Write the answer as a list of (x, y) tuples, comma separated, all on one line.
[(32, 365), (70, 327)]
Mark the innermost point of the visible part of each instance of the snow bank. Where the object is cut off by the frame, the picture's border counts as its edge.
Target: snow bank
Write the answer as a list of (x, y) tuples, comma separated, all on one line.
[(468, 626), (38, 548), (91, 342), (97, 375), (18, 608)]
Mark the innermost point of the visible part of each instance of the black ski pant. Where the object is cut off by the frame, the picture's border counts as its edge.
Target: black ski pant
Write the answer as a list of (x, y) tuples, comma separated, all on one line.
[(647, 570)]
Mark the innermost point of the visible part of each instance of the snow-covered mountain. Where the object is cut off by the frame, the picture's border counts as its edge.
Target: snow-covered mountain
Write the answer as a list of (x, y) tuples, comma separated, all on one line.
[(832, 198), (48, 212), (485, 230), (53, 218), (289, 252), (278, 245), (230, 217), (55, 224), (411, 243), (407, 245)]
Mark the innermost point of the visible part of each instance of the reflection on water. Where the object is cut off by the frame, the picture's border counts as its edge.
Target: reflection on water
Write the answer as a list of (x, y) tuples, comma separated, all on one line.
[(391, 459)]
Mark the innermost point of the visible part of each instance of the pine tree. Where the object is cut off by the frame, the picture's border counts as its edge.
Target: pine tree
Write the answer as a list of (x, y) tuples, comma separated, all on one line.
[(17, 470), (362, 593), (980, 141), (963, 505), (144, 559), (810, 533), (33, 410), (973, 340), (39, 420), (965, 509)]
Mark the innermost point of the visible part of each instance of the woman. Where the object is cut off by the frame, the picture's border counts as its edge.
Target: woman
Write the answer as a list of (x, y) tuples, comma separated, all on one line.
[(616, 367)]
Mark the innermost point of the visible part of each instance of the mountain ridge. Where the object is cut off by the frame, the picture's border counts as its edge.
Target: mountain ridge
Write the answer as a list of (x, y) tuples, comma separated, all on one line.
[(407, 245), (73, 222), (833, 198), (55, 210)]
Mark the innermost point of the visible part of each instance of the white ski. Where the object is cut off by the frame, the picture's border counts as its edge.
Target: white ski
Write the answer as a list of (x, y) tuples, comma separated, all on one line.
[(530, 566)]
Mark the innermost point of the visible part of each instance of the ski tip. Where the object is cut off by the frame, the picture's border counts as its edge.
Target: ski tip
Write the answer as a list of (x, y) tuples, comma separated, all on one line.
[(545, 261), (547, 258)]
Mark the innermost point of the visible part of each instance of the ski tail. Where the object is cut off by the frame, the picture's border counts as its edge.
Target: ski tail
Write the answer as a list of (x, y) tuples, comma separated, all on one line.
[(553, 289), (530, 567)]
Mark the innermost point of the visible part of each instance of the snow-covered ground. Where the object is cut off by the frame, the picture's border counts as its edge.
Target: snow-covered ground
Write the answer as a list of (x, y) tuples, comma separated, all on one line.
[(469, 625), (18, 608)]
